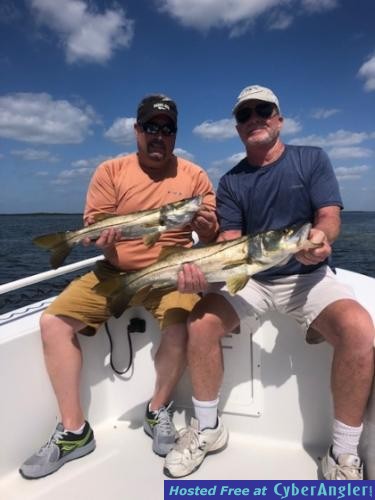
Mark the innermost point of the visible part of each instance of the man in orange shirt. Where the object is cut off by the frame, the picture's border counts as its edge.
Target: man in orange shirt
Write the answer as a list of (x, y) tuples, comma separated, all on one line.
[(144, 180)]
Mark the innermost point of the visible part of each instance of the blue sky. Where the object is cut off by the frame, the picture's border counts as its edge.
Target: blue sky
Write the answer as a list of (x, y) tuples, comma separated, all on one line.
[(73, 71)]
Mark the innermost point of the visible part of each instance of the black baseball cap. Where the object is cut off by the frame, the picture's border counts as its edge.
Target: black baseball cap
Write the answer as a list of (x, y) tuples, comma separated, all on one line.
[(156, 104)]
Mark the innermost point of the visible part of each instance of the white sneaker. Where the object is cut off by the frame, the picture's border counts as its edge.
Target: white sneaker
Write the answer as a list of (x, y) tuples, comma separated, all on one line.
[(347, 466), (192, 446)]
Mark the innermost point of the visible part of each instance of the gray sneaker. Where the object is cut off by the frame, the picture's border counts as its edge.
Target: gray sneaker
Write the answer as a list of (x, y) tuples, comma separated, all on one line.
[(160, 427), (192, 446), (347, 467), (62, 447)]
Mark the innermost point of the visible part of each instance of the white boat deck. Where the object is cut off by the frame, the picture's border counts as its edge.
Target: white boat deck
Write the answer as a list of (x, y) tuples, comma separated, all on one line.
[(123, 462), (275, 402)]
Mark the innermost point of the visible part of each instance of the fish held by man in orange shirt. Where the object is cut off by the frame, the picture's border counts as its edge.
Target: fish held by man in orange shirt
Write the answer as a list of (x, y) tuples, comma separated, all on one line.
[(145, 224)]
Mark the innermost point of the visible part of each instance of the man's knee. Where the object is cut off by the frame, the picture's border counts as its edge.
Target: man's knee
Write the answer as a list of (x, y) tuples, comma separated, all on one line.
[(50, 325), (212, 316), (347, 323), (175, 334)]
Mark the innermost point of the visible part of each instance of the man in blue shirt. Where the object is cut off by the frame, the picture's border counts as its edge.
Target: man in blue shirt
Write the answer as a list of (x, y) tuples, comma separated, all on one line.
[(275, 186)]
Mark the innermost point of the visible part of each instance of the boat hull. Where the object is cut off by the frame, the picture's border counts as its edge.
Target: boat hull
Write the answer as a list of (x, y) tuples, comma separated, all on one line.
[(275, 401)]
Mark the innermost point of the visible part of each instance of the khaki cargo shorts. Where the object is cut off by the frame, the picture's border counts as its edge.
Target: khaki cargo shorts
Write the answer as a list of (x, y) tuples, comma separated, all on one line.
[(301, 296), (79, 301)]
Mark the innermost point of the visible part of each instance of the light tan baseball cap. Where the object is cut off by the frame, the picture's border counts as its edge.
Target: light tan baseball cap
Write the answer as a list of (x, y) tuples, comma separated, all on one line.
[(256, 92)]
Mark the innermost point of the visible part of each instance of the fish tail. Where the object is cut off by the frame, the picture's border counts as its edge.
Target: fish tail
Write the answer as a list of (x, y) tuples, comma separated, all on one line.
[(58, 244)]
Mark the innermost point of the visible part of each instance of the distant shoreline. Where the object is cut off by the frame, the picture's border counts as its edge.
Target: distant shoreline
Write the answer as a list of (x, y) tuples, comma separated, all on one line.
[(34, 214)]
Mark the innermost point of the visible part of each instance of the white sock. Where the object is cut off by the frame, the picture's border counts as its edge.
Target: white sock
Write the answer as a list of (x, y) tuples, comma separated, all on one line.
[(206, 413), (77, 431), (345, 438)]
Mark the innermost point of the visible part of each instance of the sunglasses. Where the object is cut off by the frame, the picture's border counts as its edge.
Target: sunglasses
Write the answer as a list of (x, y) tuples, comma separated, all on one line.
[(152, 128), (264, 110)]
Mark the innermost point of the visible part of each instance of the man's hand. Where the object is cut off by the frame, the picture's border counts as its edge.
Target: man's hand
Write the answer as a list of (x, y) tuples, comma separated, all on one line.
[(205, 224), (107, 238), (315, 255), (191, 279)]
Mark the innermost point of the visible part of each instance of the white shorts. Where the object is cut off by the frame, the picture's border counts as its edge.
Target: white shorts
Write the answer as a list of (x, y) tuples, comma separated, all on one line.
[(301, 296)]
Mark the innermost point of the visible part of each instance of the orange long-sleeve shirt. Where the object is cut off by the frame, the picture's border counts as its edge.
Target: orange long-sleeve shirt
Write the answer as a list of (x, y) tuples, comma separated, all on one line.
[(120, 186)]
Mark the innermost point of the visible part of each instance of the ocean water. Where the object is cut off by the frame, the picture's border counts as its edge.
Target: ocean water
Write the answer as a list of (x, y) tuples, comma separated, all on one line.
[(354, 250)]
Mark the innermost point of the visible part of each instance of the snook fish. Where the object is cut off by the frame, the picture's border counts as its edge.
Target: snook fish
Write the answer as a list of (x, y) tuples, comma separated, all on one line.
[(231, 261), (146, 224)]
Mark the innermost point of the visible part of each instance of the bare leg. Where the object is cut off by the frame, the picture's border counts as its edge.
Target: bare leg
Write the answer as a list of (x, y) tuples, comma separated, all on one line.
[(170, 362), (63, 360), (211, 319), (349, 328)]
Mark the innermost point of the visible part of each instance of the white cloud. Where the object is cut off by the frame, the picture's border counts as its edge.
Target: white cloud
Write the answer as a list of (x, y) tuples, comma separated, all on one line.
[(322, 113), (29, 154), (238, 15), (182, 153), (350, 173), (210, 13), (230, 161), (360, 169), (122, 131), (334, 139), (225, 129), (319, 5), (82, 169), (280, 21), (85, 34), (67, 176), (291, 126), (37, 118), (218, 168), (215, 173), (90, 162), (341, 144), (345, 153), (218, 130), (367, 72)]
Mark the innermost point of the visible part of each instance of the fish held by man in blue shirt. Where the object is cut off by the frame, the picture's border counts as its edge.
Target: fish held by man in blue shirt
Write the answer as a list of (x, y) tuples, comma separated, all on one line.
[(232, 262)]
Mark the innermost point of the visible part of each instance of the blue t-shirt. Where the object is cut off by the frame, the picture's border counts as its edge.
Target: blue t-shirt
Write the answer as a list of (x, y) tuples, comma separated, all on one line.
[(255, 199)]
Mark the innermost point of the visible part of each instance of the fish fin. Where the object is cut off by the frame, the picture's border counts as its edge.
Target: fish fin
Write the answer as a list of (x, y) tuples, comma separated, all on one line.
[(118, 303), (58, 244), (237, 282), (149, 224), (141, 295), (167, 251), (109, 287), (234, 263), (150, 239), (102, 216), (115, 292)]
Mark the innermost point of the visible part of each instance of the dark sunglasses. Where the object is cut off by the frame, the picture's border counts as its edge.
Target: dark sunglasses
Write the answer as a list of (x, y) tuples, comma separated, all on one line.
[(154, 129), (264, 110)]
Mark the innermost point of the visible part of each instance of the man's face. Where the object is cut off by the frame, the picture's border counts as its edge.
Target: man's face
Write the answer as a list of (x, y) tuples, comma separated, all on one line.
[(156, 140), (258, 123)]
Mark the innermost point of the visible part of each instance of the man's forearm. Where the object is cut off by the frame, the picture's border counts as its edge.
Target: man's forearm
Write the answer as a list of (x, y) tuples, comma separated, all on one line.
[(328, 220)]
